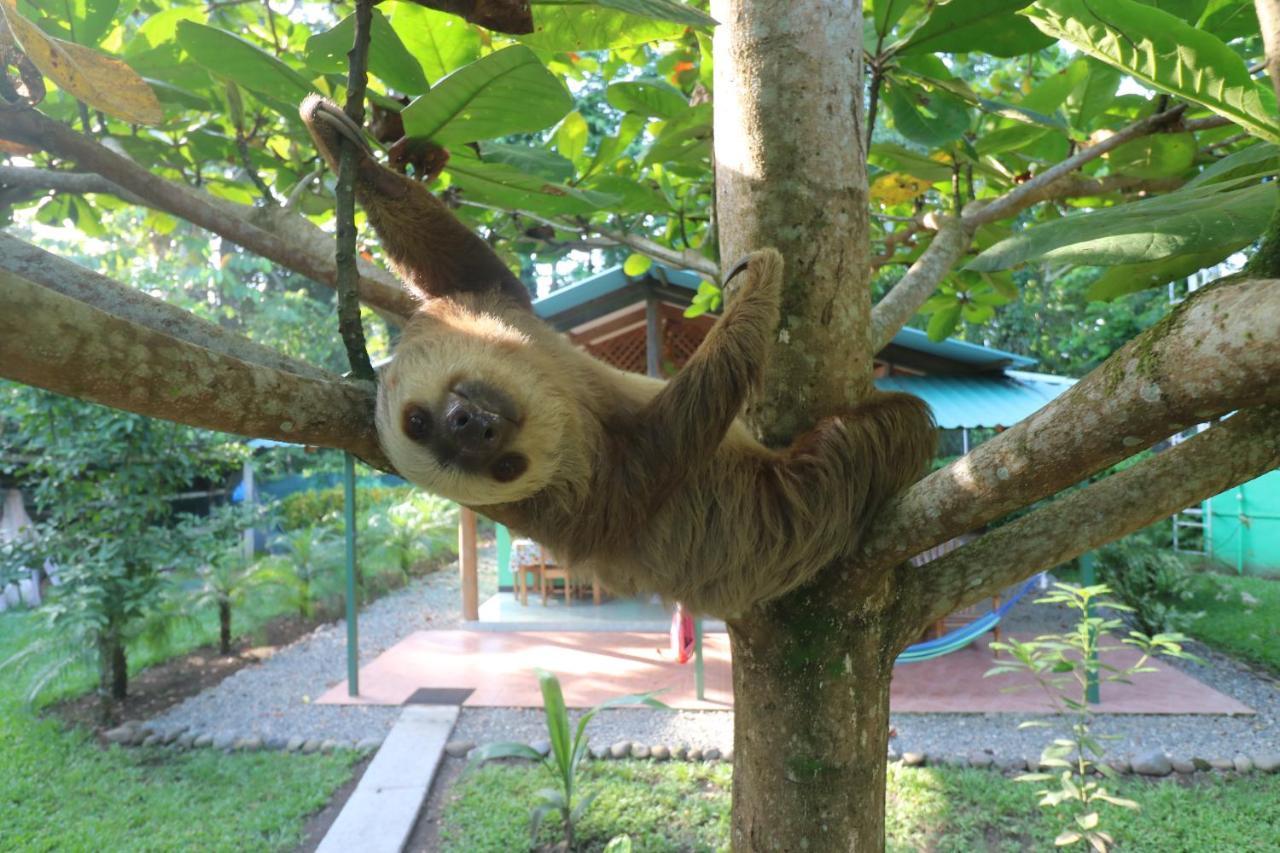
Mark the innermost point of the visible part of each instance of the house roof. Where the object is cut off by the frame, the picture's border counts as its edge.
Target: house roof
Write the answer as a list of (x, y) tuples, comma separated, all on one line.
[(966, 402), (612, 289)]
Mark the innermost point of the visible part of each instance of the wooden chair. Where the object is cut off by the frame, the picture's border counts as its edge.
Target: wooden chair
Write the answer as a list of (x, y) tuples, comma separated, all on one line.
[(528, 557)]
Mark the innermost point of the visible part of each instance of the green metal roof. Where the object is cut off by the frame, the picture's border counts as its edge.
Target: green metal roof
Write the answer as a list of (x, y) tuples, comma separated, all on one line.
[(992, 400)]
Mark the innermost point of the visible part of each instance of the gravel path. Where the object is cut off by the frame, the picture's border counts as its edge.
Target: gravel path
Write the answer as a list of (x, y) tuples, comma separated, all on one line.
[(272, 700)]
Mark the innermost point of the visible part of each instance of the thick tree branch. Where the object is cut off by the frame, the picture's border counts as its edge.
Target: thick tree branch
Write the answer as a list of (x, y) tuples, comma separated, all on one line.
[(141, 361), (1269, 21), (37, 181), (1220, 350), (232, 221), (1239, 449)]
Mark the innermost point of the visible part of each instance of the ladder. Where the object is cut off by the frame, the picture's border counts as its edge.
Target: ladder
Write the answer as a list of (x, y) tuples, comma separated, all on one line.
[(1193, 522)]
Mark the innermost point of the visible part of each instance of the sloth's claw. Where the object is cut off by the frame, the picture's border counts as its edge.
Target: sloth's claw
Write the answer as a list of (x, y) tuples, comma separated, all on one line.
[(342, 123)]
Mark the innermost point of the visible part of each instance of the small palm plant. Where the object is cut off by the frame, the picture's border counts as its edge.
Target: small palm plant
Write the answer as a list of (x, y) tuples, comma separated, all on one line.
[(308, 570), (568, 749)]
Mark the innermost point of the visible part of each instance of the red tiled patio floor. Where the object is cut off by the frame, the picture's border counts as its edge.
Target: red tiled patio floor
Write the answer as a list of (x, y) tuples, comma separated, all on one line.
[(594, 666)]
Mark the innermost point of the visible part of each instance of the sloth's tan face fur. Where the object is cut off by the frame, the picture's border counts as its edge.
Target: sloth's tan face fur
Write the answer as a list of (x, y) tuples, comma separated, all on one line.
[(446, 347)]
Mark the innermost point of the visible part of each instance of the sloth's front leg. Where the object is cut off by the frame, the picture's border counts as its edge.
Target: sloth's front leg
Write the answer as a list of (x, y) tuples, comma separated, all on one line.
[(685, 423)]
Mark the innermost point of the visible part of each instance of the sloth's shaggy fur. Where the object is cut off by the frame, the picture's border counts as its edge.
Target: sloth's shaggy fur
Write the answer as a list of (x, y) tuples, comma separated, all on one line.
[(652, 486)]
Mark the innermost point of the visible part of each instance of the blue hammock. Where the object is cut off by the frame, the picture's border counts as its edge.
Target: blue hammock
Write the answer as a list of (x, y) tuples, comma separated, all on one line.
[(953, 641)]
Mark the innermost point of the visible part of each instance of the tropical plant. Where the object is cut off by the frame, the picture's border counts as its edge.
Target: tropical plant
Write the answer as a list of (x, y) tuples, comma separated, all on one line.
[(1151, 581), (307, 570), (569, 747), (216, 569), (1067, 666), (411, 530)]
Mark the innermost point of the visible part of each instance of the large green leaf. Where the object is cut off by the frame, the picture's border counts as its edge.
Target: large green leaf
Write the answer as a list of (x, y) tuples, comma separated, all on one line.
[(895, 158), (441, 43), (1164, 51), (533, 161), (647, 97), (660, 10), (502, 186), (977, 26), (1183, 222), (505, 92), (685, 138), (1161, 155), (235, 59), (561, 27), (885, 14), (388, 57), (1130, 278), (931, 118), (1260, 159)]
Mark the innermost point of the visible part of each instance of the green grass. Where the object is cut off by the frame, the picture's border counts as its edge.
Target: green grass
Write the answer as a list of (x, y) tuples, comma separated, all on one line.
[(683, 807), (59, 791), (1248, 632)]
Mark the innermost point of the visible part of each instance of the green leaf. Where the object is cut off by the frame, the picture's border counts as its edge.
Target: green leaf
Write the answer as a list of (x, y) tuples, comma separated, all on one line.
[(1182, 222), (1052, 92), (930, 118), (389, 59), (685, 138), (1161, 155), (660, 10), (585, 26), (1095, 96), (612, 146), (502, 186), (557, 729), (981, 26), (885, 14), (441, 43), (534, 161), (1130, 278), (506, 92), (896, 158), (943, 322), (1164, 51), (571, 137), (636, 265), (232, 58), (647, 97), (1259, 159)]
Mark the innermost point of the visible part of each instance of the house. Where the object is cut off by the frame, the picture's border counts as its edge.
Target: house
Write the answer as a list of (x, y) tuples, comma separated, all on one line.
[(638, 324)]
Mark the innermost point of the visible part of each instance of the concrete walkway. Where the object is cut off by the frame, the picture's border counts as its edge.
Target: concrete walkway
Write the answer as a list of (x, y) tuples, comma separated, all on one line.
[(381, 812)]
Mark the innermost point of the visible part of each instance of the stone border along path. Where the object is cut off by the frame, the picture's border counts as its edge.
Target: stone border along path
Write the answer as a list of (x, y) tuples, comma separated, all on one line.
[(267, 706)]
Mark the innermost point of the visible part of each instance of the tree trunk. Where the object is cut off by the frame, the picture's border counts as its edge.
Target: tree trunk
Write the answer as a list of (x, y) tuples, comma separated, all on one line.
[(811, 728), (113, 667), (224, 627)]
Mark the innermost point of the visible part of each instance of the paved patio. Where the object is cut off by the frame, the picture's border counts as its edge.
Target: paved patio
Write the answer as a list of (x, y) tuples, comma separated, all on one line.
[(498, 667)]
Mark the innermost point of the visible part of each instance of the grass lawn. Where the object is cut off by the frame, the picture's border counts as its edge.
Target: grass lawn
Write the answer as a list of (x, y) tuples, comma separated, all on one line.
[(685, 807), (60, 791), (1248, 632)]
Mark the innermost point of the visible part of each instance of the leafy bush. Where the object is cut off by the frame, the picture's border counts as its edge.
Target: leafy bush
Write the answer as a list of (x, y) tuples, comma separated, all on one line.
[(304, 509), (403, 535), (1151, 581), (310, 569)]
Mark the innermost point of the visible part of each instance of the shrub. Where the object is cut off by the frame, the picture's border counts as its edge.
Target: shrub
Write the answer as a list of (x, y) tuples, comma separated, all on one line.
[(304, 509), (1150, 580)]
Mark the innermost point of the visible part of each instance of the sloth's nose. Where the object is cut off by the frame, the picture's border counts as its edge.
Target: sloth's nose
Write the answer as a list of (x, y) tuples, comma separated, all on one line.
[(477, 432)]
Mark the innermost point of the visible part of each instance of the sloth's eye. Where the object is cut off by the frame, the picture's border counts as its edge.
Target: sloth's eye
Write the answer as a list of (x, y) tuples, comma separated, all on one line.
[(416, 422), (508, 467)]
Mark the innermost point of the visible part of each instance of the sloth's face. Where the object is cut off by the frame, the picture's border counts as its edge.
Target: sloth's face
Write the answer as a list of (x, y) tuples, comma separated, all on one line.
[(470, 409)]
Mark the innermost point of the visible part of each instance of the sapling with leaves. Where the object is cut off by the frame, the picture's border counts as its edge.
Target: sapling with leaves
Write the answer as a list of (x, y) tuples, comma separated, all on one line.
[(568, 749), (308, 569), (411, 530), (218, 570), (1064, 665)]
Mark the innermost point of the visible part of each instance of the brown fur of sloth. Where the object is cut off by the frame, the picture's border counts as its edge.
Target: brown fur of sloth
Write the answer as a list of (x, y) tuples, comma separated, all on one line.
[(654, 487)]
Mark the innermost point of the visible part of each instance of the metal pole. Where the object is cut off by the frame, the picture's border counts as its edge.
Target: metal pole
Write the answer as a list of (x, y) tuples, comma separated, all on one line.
[(349, 517), (699, 680), (1091, 691), (652, 338)]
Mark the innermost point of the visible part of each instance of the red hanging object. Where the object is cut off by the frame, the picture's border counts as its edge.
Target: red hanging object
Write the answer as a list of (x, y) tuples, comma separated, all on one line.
[(682, 635)]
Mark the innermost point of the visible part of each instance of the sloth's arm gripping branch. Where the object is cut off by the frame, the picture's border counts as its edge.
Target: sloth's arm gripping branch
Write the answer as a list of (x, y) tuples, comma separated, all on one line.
[(429, 246), (688, 419)]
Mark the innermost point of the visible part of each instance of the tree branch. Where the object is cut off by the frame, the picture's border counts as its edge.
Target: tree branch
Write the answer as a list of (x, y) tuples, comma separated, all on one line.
[(349, 325), (1269, 21), (1026, 194), (53, 341), (1218, 351), (1239, 449), (687, 259), (901, 303), (298, 250), (922, 279)]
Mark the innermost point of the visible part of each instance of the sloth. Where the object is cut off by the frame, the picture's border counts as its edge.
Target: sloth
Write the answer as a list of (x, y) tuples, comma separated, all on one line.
[(651, 486)]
